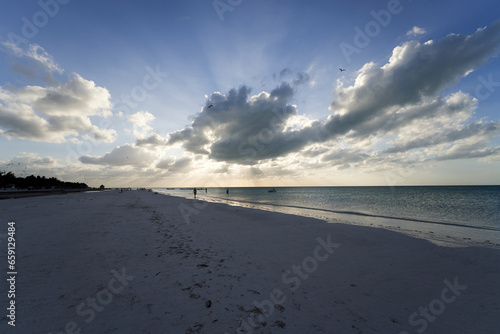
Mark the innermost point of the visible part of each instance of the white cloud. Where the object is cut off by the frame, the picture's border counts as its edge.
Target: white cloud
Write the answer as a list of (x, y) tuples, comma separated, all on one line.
[(391, 114), (76, 97), (140, 122), (56, 113), (416, 31), (51, 114), (125, 155)]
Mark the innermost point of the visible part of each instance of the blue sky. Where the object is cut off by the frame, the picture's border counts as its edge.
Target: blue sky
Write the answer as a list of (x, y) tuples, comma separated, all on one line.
[(249, 93)]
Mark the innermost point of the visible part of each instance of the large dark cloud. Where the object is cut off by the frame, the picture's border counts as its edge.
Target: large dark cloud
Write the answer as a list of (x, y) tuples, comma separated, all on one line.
[(239, 128)]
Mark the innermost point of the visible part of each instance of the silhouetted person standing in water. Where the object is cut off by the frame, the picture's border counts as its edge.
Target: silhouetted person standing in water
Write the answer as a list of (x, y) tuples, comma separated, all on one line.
[(227, 191), (194, 192)]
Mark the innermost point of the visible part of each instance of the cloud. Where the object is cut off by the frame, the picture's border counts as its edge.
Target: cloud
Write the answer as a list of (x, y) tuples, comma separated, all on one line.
[(285, 72), (33, 61), (153, 140), (24, 159), (235, 127), (125, 155), (51, 114), (469, 152), (387, 114), (34, 52), (140, 122), (28, 163), (415, 31), (302, 78), (56, 113), (414, 73), (175, 166), (344, 156)]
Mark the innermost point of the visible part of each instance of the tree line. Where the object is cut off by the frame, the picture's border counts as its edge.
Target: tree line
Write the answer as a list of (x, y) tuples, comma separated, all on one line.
[(9, 180)]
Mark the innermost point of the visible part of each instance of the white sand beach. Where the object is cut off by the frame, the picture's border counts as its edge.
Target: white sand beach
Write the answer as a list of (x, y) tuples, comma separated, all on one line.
[(140, 262)]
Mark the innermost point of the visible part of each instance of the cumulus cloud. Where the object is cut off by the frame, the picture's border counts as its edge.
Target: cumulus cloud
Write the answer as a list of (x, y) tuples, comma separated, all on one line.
[(51, 114), (140, 122), (416, 31), (76, 97), (387, 113), (241, 128), (125, 155), (415, 73), (57, 112)]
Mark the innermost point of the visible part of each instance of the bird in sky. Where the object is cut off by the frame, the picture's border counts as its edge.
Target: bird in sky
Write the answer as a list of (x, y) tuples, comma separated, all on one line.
[(341, 69), (210, 106)]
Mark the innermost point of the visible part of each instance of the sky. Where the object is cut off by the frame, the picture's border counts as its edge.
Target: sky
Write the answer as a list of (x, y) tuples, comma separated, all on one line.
[(232, 93)]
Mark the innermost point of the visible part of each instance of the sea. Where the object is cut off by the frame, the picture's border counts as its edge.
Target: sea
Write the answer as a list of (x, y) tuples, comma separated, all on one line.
[(450, 215)]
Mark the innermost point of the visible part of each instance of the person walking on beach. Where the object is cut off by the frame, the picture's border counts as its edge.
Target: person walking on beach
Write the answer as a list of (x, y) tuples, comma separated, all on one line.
[(194, 192)]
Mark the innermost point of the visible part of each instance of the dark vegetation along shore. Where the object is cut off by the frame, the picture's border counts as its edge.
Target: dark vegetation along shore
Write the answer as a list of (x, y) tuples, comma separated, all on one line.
[(12, 186)]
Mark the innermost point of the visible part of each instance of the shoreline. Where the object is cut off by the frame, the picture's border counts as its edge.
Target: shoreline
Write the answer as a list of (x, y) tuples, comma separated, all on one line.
[(138, 261), (446, 234)]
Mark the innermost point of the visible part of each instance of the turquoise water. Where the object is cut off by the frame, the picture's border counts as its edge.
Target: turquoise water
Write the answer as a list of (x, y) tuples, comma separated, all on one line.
[(430, 208)]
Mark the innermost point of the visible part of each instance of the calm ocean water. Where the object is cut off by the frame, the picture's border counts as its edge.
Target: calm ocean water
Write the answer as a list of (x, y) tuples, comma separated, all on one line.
[(441, 207)]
